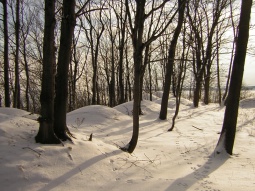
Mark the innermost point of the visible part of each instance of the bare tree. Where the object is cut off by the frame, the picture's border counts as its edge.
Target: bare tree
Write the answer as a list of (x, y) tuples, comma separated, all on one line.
[(181, 74), (77, 69), (27, 18), (234, 28), (228, 131), (64, 58), (121, 24), (112, 32), (6, 56), (137, 35), (16, 99), (170, 63), (137, 32), (93, 34), (46, 133), (203, 19)]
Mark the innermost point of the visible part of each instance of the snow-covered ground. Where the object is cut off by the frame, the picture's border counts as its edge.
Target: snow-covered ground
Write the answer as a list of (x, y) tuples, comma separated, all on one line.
[(183, 159)]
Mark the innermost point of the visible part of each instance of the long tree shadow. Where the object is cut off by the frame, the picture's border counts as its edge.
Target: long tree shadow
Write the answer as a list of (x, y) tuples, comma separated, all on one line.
[(199, 174), (56, 182)]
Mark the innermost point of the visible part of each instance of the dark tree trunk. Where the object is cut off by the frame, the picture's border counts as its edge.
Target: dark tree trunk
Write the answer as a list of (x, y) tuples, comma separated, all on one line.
[(170, 63), (46, 132), (228, 131), (137, 35), (121, 55), (6, 56), (25, 33), (218, 68), (112, 82), (179, 85), (16, 102), (64, 55), (128, 96), (150, 79), (73, 75), (143, 69), (27, 76), (207, 86), (197, 90), (94, 36), (180, 80), (224, 97), (94, 86)]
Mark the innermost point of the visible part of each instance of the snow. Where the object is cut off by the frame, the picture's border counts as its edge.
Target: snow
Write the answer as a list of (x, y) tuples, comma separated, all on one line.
[(184, 159)]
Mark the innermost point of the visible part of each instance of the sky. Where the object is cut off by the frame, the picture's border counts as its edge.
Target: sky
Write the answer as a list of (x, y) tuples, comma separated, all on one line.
[(249, 69)]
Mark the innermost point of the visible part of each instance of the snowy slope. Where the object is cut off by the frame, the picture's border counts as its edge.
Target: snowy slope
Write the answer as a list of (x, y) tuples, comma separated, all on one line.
[(183, 159)]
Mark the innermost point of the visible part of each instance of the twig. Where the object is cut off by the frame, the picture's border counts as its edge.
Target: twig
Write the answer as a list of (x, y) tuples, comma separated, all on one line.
[(39, 154), (149, 158), (197, 128), (90, 137)]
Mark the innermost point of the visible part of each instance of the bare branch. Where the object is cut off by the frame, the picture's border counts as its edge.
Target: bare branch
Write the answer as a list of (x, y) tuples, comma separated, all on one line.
[(84, 12), (156, 8), (82, 8), (154, 37)]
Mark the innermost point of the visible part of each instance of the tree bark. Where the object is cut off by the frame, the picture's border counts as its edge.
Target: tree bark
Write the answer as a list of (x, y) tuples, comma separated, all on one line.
[(64, 56), (228, 131), (122, 27), (137, 35), (180, 79), (46, 132), (6, 56), (170, 63), (16, 102)]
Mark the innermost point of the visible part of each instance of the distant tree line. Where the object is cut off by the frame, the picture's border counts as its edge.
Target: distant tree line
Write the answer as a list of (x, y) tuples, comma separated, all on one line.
[(57, 56)]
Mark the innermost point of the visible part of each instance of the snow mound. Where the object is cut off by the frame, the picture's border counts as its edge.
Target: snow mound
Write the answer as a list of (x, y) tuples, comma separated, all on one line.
[(95, 114), (188, 152), (247, 103), (13, 112), (146, 106)]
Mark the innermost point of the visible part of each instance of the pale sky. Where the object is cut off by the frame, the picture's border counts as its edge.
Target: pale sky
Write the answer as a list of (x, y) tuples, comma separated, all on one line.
[(249, 71)]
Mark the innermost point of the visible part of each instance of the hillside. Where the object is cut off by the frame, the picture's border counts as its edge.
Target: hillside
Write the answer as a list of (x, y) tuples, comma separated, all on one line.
[(183, 159)]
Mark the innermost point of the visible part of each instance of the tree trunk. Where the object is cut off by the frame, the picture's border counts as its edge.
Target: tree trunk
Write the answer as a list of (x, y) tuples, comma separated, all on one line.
[(228, 131), (170, 63), (207, 80), (46, 132), (180, 79), (218, 68), (6, 56), (197, 89), (128, 96), (143, 69), (16, 102), (25, 33), (64, 55), (121, 55), (112, 82), (27, 76), (224, 97), (150, 79), (137, 35)]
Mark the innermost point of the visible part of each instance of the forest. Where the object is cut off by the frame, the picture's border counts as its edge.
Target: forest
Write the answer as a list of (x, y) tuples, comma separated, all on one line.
[(130, 94), (58, 56)]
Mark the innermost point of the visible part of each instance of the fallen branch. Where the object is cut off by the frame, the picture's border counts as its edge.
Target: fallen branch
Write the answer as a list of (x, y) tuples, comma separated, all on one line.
[(197, 128), (39, 154)]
